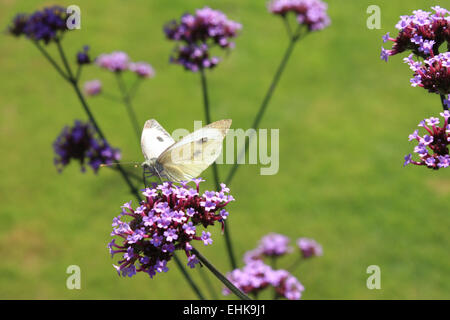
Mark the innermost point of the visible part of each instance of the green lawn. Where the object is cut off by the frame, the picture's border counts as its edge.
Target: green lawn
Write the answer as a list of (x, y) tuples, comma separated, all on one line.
[(344, 118)]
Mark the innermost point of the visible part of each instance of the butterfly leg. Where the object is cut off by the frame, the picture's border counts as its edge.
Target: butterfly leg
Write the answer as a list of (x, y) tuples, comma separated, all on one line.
[(147, 174), (144, 178)]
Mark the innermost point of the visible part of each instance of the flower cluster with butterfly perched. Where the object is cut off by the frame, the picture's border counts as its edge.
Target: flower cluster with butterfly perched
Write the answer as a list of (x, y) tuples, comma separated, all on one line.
[(167, 220)]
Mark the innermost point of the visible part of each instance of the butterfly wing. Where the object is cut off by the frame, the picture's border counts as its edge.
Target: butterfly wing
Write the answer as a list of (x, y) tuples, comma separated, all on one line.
[(190, 156), (154, 139)]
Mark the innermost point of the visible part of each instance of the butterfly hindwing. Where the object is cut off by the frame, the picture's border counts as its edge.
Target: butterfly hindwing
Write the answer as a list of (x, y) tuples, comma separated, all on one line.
[(190, 156)]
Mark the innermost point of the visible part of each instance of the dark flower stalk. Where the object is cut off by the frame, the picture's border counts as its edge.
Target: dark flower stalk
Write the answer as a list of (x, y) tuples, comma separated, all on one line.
[(292, 42), (126, 98), (293, 39), (206, 105), (310, 15), (118, 62), (230, 286), (445, 102), (188, 278), (208, 284)]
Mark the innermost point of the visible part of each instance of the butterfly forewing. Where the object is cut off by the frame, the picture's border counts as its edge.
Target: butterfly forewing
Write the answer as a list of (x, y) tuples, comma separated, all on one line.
[(154, 139)]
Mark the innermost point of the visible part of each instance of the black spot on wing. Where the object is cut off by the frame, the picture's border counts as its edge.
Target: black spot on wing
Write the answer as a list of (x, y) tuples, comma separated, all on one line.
[(202, 140), (160, 139)]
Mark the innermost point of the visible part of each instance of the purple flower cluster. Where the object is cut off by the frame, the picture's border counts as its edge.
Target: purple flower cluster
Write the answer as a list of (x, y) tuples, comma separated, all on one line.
[(197, 34), (311, 13), (309, 248), (118, 61), (432, 147), (271, 245), (80, 143), (83, 56), (433, 74), (165, 221), (194, 57), (142, 69), (257, 276), (423, 33), (46, 25), (93, 87)]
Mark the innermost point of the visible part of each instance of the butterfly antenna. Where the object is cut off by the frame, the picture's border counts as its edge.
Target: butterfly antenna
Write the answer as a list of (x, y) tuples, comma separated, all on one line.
[(135, 164)]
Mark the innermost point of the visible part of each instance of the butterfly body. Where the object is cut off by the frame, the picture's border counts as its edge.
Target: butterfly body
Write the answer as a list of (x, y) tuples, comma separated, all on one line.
[(185, 159)]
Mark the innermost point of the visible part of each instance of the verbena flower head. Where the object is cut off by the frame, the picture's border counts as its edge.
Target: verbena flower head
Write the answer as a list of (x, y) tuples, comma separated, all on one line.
[(311, 13), (45, 25), (93, 87), (257, 276), (17, 27), (433, 74), (271, 245), (83, 56), (422, 33), (116, 61), (80, 143), (309, 248), (167, 220), (194, 57), (432, 148), (196, 34), (142, 69)]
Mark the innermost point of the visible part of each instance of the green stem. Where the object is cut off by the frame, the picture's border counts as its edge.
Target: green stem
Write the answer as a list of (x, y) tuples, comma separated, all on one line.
[(208, 284), (288, 26), (227, 235), (51, 60), (78, 74), (188, 277), (134, 88), (265, 103), (127, 102), (110, 97), (295, 265), (65, 62), (206, 106), (443, 102), (220, 276)]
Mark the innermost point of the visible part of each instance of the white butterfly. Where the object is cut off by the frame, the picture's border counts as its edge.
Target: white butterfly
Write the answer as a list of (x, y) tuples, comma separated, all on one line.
[(185, 159)]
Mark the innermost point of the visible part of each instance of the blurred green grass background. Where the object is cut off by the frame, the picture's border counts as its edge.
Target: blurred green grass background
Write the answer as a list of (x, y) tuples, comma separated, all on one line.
[(344, 118)]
